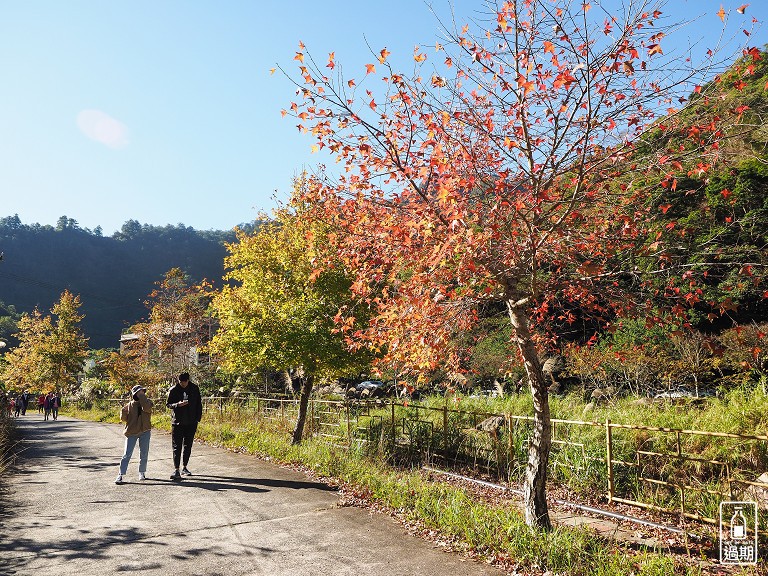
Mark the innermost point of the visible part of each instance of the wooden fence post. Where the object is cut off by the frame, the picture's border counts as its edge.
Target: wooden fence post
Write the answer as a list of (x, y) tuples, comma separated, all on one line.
[(310, 419), (445, 430), (392, 433), (609, 458), (349, 426)]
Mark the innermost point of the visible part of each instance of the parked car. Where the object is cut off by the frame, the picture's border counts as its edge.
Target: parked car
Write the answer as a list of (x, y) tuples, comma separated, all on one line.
[(369, 385), (368, 389)]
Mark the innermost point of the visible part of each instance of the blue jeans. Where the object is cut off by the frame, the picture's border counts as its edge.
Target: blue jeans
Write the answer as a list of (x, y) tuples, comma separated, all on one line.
[(130, 444)]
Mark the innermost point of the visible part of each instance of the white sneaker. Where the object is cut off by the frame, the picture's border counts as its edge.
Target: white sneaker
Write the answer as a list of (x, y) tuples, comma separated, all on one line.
[(142, 476), (119, 479)]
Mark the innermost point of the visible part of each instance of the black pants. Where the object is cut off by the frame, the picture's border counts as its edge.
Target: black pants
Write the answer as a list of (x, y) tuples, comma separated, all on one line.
[(182, 436)]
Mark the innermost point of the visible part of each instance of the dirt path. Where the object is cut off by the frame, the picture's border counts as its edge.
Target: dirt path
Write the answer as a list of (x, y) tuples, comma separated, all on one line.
[(237, 515)]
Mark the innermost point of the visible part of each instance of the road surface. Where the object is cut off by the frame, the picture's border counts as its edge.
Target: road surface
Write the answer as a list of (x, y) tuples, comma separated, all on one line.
[(237, 515)]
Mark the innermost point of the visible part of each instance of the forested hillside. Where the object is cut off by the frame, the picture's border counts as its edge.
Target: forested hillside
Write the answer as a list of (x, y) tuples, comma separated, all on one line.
[(112, 275)]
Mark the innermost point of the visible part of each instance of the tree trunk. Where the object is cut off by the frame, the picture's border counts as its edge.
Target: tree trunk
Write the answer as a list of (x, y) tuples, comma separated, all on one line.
[(535, 487), (306, 390)]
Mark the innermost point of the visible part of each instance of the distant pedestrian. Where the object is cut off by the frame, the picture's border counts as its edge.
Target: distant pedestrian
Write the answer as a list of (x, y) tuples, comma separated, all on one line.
[(137, 415), (15, 407), (55, 405), (47, 406), (40, 403), (186, 406), (24, 402)]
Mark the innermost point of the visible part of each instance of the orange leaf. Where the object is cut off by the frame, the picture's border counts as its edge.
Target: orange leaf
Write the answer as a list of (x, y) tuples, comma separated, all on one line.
[(628, 68), (272, 70), (721, 13), (742, 8), (350, 83), (370, 68), (383, 55), (549, 47), (419, 57), (299, 56), (654, 49)]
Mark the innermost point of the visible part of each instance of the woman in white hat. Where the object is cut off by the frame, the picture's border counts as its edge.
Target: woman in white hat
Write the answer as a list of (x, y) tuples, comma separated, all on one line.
[(137, 415)]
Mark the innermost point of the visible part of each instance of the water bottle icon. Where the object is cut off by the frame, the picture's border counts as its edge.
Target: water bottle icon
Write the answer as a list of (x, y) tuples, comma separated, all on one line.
[(738, 525)]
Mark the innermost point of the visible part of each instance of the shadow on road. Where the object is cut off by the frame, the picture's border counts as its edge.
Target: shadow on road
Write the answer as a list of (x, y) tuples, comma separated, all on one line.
[(271, 482), (16, 550)]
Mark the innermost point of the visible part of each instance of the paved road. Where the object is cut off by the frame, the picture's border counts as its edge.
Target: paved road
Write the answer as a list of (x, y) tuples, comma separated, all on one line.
[(238, 515)]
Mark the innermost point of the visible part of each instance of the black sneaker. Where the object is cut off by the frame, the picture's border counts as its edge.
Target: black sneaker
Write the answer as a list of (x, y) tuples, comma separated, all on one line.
[(186, 472), (176, 476)]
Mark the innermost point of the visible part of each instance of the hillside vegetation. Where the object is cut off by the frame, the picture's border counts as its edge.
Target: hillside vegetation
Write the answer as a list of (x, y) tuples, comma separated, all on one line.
[(112, 274)]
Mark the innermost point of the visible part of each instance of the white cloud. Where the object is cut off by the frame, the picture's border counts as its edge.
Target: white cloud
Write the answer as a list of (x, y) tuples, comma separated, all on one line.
[(101, 127)]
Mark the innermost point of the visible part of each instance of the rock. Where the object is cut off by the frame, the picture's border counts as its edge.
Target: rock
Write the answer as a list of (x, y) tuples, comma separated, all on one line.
[(758, 494), (555, 388), (603, 393), (645, 401), (491, 424), (553, 365)]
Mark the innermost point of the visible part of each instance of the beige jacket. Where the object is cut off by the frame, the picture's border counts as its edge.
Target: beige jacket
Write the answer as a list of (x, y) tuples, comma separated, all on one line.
[(137, 421)]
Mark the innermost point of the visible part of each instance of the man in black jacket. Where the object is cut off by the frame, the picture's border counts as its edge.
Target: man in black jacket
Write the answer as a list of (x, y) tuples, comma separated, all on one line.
[(186, 406)]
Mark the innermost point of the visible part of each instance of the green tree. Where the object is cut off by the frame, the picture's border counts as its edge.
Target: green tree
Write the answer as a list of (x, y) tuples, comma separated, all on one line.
[(66, 348), (9, 319), (278, 310), (51, 349), (177, 329), (26, 365)]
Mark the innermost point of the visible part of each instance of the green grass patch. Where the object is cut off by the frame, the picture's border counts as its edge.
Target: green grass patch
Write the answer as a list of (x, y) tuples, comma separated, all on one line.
[(7, 438)]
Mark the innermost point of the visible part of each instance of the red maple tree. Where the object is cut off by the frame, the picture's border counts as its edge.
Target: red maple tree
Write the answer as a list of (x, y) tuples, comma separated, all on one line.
[(503, 174)]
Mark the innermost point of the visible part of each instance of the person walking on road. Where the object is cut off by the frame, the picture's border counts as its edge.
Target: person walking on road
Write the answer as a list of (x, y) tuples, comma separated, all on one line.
[(137, 415), (47, 405), (186, 406), (40, 403), (55, 405)]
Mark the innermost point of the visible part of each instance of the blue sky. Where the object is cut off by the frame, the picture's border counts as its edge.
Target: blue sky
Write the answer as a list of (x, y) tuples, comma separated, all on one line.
[(166, 112)]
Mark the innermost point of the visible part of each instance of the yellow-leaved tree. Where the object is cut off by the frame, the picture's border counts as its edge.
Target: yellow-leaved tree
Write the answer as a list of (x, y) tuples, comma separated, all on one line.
[(279, 307)]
